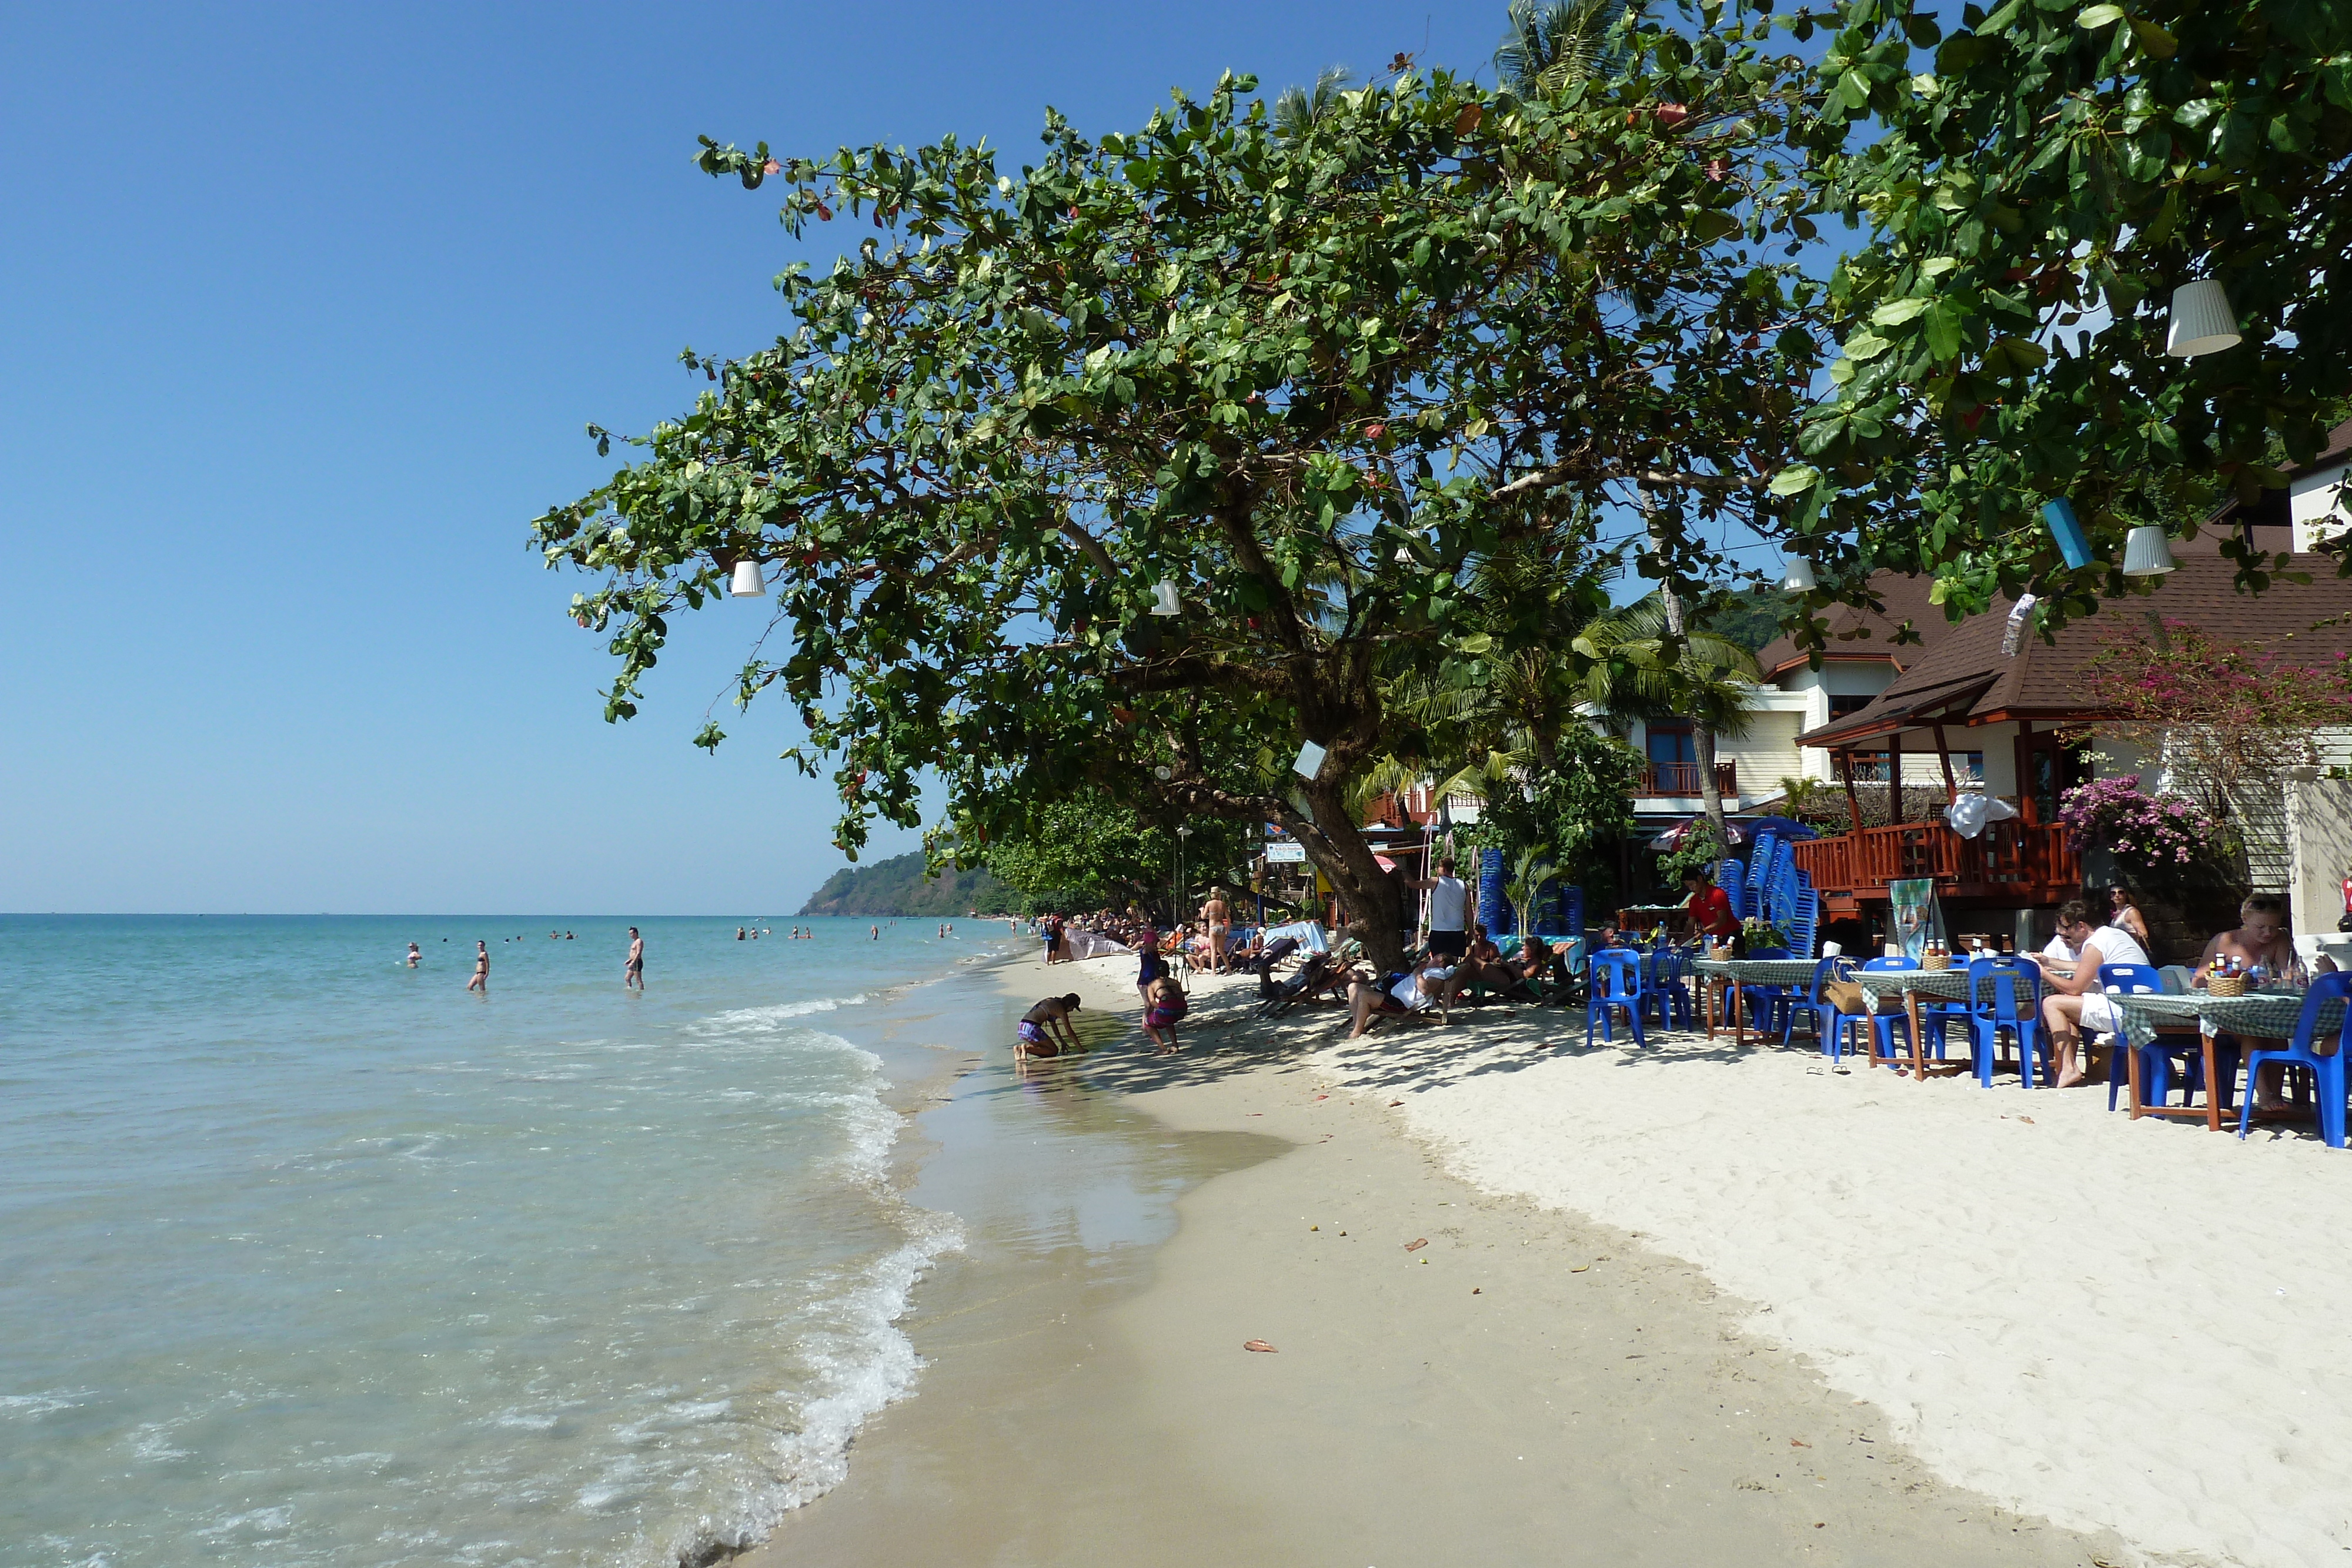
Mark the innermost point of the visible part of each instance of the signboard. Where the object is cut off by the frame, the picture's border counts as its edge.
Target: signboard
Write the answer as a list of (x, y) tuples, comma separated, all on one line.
[(1288, 851)]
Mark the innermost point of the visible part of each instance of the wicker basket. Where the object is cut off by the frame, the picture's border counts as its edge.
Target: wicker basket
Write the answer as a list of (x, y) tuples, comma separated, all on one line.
[(2225, 985), (1934, 962), (1719, 955)]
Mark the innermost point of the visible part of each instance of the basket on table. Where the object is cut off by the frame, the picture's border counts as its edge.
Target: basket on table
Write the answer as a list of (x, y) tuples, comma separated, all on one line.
[(2225, 985), (1935, 962)]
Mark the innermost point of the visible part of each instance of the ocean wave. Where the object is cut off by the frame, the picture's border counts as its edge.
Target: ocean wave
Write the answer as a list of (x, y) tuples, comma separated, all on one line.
[(864, 1364), (768, 1017), (39, 1405)]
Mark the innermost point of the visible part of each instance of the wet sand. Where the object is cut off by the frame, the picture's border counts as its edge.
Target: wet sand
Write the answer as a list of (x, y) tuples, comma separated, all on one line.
[(1528, 1387)]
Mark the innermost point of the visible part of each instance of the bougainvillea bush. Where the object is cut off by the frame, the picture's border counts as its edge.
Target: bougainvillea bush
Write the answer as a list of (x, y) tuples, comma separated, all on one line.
[(2153, 834)]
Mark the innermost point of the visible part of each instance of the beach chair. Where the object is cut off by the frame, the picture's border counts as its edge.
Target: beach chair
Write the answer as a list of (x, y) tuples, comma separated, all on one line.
[(1315, 977), (2005, 995), (1883, 1025), (2327, 1072), (1670, 995), (1768, 1005), (1616, 983)]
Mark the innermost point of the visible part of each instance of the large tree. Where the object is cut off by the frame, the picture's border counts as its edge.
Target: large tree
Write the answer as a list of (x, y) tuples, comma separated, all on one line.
[(1310, 379), (2032, 185)]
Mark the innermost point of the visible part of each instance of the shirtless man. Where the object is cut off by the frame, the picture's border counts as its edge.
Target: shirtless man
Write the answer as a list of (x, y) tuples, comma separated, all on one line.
[(2260, 938), (632, 973), (481, 980), (1045, 1029), (1219, 919)]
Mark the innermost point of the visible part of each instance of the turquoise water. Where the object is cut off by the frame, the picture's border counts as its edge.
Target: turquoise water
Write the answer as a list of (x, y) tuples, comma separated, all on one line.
[(309, 1258)]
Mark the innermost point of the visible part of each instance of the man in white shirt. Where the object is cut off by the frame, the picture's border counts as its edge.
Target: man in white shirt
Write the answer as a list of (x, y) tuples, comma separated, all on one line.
[(1449, 911), (1416, 991), (2071, 1004)]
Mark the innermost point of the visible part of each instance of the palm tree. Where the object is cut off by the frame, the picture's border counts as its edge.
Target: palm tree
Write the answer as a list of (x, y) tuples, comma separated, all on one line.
[(1297, 111), (1642, 664), (1550, 45)]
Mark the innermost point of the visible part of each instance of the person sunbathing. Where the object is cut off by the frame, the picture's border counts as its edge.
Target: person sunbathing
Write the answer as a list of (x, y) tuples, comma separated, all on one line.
[(1046, 1029), (1416, 990), (1164, 1005)]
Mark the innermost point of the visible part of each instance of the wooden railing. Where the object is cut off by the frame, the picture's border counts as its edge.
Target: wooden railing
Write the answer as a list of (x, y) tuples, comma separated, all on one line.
[(2007, 858), (1682, 778)]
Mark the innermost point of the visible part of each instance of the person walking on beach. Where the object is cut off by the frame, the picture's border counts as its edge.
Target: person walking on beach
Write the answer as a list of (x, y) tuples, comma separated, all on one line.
[(415, 957), (1046, 1029), (1449, 911), (481, 980), (1164, 1005), (632, 973)]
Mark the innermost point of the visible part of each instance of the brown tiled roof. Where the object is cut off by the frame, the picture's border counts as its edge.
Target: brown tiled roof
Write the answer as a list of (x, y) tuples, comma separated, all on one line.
[(1964, 679), (1906, 599)]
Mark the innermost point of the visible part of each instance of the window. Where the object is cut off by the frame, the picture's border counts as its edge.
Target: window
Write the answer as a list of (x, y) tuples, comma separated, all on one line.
[(1670, 741), (1841, 707)]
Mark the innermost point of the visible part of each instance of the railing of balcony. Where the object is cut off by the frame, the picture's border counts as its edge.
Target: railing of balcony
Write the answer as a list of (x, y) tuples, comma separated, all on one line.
[(1682, 778), (2007, 857)]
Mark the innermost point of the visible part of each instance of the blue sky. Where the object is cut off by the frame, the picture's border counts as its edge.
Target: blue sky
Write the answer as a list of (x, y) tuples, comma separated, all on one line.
[(302, 310)]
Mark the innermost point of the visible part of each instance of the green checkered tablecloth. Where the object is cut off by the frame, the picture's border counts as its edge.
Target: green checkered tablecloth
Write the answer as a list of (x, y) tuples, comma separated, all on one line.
[(1758, 971), (2272, 1014)]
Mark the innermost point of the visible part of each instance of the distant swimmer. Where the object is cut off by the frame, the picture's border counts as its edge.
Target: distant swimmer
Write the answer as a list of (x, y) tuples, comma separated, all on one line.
[(632, 973), (555, 937), (415, 957), (568, 936), (873, 934), (481, 980), (1046, 1029), (739, 934)]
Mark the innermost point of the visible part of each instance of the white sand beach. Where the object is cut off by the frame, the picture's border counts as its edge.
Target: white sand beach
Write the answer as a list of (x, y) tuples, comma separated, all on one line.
[(2116, 1325)]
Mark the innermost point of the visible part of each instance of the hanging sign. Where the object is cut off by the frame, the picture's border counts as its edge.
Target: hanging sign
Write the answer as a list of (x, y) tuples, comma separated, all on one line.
[(1285, 852)]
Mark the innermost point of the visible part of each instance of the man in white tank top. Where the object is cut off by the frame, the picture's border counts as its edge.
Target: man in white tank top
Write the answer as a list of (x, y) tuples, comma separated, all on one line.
[(1449, 911), (2071, 1004)]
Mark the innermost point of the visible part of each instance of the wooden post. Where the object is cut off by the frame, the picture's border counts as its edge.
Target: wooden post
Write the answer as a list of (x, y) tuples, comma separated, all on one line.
[(1853, 805), (1951, 790), (1895, 778), (2026, 813)]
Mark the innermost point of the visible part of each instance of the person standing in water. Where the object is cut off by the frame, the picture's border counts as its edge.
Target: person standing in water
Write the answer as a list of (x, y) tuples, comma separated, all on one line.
[(481, 980), (632, 973), (415, 957)]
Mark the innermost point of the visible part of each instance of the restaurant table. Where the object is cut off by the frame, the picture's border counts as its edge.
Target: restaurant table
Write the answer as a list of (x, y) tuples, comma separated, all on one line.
[(1946, 984), (1730, 974), (2258, 1015)]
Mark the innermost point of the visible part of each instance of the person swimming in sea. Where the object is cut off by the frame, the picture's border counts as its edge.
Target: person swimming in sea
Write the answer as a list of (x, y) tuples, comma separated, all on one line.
[(1046, 1029), (415, 957)]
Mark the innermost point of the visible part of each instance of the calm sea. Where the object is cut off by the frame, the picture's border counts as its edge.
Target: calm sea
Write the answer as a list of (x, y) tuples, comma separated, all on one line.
[(309, 1258)]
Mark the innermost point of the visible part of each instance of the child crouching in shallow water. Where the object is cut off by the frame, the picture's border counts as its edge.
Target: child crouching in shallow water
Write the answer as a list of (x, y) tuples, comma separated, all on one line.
[(1164, 1002), (1046, 1029)]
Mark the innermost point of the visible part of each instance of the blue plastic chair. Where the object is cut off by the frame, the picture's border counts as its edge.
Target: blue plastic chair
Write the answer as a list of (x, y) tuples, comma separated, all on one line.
[(1883, 1025), (1670, 999), (1616, 983), (1830, 1026), (2327, 1072), (1994, 988), (2155, 1059), (1769, 1006)]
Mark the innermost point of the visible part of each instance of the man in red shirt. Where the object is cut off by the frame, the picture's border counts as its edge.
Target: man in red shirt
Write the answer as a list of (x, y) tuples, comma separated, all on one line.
[(1710, 907)]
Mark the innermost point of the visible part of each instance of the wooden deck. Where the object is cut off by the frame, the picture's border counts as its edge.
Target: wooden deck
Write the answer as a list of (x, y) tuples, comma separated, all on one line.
[(2010, 863)]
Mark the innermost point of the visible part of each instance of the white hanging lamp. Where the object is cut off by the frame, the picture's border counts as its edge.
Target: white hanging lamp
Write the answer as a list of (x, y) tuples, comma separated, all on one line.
[(1799, 577), (2202, 321), (2145, 553), (749, 582), (1163, 598)]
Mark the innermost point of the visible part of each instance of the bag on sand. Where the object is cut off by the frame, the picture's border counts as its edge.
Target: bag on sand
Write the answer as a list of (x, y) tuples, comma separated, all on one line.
[(1846, 996)]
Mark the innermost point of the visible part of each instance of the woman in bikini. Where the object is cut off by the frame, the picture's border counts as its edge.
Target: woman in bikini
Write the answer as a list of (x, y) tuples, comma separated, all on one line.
[(1164, 1005), (1046, 1029), (481, 980)]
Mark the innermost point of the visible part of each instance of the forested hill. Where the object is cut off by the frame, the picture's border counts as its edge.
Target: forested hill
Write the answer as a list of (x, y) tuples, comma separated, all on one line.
[(898, 886)]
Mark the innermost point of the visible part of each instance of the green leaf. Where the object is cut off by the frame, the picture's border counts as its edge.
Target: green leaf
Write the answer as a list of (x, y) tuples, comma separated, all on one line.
[(1866, 346), (2097, 16), (1790, 481), (1895, 312)]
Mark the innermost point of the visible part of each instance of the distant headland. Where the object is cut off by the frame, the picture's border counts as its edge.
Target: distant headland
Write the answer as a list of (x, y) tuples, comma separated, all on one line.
[(898, 886)]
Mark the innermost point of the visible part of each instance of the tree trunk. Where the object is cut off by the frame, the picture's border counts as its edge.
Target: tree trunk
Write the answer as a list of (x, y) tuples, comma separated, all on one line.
[(1710, 795), (1710, 798), (1369, 896)]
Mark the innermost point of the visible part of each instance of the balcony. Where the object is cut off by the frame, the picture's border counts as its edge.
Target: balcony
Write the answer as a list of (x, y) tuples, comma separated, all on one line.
[(2010, 862), (1681, 779)]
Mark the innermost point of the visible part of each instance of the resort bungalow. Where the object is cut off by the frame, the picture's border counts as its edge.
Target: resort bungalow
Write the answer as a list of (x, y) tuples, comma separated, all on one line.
[(1967, 711)]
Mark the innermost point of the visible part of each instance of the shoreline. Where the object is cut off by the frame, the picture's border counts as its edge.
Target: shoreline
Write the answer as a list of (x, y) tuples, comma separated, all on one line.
[(1084, 1395)]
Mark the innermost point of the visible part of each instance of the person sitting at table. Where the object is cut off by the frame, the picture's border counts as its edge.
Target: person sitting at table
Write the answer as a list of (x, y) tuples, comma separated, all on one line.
[(2074, 1003), (1710, 908), (2260, 940)]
